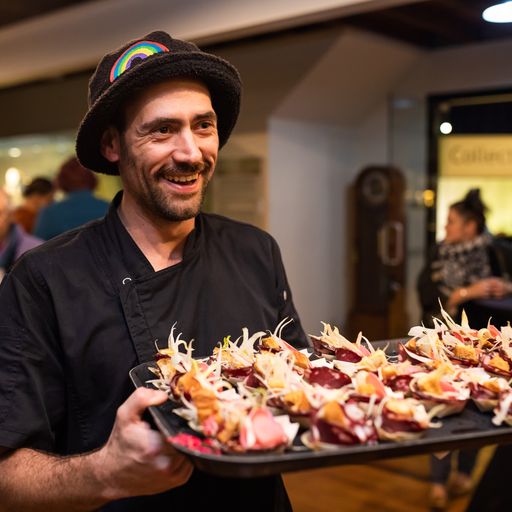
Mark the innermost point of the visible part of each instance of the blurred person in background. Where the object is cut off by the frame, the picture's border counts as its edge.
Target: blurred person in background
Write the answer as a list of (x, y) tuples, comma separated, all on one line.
[(469, 270), (36, 195), (14, 241), (78, 207)]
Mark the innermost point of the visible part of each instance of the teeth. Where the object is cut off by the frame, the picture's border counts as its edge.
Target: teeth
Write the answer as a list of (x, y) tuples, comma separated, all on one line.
[(185, 179)]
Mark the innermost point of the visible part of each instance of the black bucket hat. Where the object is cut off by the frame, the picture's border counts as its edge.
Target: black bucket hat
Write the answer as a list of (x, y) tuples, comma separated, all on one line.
[(146, 61)]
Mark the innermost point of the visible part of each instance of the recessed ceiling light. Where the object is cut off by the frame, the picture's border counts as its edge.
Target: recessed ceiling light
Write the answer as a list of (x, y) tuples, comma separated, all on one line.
[(445, 128), (14, 152), (499, 13)]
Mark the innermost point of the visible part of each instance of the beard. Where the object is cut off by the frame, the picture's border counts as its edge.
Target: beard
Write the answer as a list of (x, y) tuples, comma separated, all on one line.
[(177, 210), (154, 199)]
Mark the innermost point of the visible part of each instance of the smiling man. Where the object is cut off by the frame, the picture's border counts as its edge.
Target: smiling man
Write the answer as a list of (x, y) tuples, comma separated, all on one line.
[(83, 309)]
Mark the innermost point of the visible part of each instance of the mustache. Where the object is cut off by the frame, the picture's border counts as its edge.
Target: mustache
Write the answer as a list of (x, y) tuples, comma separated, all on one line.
[(182, 170)]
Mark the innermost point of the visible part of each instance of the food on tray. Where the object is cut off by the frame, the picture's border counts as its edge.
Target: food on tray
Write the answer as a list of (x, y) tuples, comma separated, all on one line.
[(398, 376), (254, 394), (503, 411), (326, 377), (332, 344), (338, 423), (368, 386), (439, 388), (399, 420)]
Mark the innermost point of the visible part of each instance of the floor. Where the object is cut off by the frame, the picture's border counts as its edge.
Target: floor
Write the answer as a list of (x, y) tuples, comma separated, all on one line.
[(396, 485)]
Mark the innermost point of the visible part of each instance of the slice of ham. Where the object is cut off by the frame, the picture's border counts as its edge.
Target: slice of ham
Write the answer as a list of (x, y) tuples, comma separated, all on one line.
[(328, 377), (260, 431)]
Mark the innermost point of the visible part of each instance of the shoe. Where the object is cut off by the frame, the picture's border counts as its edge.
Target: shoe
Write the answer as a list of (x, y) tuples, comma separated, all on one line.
[(438, 497), (461, 484)]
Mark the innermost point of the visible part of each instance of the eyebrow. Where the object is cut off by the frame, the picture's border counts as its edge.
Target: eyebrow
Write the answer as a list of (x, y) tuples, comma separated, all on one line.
[(209, 116)]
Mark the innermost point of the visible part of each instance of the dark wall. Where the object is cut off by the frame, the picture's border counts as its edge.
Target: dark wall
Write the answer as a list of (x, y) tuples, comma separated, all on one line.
[(42, 107)]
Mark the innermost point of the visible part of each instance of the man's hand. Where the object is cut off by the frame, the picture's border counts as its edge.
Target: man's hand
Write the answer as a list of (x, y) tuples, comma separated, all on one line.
[(136, 460)]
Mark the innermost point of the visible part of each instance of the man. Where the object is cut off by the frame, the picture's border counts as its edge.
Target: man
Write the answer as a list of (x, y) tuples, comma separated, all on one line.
[(89, 305), (13, 239), (36, 195), (78, 207)]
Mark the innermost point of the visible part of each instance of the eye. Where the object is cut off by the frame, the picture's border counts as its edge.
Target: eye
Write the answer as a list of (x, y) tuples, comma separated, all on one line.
[(206, 124), (163, 129)]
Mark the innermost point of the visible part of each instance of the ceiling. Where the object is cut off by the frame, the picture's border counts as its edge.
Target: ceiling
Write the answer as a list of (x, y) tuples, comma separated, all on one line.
[(12, 12), (434, 23), (428, 24)]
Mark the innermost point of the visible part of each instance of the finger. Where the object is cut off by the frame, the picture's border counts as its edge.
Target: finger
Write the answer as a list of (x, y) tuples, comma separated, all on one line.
[(181, 467), (135, 405), (155, 443)]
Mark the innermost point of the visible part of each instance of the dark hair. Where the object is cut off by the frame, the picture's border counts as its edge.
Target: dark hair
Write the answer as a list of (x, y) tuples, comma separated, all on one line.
[(472, 208), (38, 186), (74, 176)]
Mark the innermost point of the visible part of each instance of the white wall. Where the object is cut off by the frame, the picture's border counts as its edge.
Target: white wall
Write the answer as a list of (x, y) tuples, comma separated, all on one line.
[(333, 122), (311, 167), (310, 164)]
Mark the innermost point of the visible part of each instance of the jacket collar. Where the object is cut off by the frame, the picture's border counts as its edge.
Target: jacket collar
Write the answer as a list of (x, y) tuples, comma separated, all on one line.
[(135, 262)]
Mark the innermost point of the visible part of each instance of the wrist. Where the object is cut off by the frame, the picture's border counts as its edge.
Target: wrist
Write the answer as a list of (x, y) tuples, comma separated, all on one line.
[(101, 477), (463, 294)]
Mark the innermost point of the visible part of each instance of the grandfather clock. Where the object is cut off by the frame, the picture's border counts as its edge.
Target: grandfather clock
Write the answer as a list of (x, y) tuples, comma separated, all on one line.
[(378, 254)]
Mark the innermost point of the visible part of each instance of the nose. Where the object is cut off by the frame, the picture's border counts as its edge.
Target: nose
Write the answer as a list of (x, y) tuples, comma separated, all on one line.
[(187, 148)]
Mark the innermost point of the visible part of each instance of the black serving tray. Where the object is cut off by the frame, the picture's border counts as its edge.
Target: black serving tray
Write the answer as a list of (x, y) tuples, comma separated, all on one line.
[(469, 429)]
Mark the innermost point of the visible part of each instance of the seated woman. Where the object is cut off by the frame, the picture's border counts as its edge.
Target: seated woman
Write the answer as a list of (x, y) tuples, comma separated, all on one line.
[(468, 270), (467, 267)]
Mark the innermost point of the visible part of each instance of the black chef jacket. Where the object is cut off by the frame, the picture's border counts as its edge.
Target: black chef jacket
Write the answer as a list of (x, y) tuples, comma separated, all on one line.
[(77, 313)]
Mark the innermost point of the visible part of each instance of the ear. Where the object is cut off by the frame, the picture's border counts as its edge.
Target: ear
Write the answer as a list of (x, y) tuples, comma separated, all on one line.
[(110, 144)]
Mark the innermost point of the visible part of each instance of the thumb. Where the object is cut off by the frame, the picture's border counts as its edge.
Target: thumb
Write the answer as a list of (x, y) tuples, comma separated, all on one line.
[(142, 398)]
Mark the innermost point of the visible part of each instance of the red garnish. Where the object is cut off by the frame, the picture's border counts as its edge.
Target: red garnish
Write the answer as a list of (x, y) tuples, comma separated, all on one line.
[(194, 443)]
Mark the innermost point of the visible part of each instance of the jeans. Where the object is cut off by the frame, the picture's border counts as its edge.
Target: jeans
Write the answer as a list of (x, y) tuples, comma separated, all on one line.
[(440, 468)]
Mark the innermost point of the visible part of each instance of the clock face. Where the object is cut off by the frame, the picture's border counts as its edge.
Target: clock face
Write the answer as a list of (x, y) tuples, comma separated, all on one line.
[(375, 187)]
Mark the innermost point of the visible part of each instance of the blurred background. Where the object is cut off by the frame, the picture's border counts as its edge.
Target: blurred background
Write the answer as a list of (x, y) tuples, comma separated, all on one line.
[(361, 122)]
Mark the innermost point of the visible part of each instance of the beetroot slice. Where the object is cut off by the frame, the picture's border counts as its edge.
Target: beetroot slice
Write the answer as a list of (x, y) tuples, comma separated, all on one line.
[(328, 377), (344, 354), (400, 383), (333, 434), (393, 423), (237, 372)]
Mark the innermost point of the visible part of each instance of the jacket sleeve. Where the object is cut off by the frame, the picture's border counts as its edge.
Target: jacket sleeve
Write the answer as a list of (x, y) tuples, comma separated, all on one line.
[(293, 333), (32, 394), (429, 291)]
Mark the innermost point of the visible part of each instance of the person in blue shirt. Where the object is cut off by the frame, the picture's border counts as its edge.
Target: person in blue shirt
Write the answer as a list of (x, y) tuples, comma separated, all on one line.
[(78, 207)]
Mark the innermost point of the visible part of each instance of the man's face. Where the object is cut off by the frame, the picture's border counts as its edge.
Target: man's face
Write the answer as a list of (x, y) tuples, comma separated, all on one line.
[(168, 150)]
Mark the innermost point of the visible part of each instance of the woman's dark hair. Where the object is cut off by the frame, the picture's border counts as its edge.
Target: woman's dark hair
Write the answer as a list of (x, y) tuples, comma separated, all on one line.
[(472, 208), (39, 187)]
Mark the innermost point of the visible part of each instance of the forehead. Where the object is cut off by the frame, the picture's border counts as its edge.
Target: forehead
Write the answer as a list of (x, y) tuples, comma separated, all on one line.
[(454, 215), (171, 97)]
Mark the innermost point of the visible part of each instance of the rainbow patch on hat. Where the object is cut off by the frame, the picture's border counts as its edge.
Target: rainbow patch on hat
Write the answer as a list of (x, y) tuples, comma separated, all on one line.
[(136, 52)]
